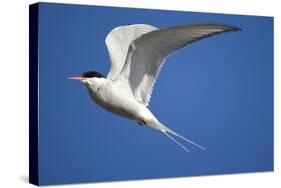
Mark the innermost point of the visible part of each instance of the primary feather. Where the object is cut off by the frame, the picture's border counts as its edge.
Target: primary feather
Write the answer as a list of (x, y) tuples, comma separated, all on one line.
[(148, 52)]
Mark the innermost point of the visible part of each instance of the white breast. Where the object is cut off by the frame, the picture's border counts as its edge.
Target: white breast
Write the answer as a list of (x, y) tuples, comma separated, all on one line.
[(114, 99)]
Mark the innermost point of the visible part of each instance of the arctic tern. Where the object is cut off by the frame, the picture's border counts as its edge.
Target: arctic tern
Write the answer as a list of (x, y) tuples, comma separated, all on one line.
[(137, 52)]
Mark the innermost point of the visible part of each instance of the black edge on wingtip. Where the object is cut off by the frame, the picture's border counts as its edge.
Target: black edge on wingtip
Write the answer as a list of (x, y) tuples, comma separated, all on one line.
[(234, 28), (231, 27)]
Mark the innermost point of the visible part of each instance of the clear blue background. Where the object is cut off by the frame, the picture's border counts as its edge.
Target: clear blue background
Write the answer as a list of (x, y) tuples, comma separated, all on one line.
[(218, 92)]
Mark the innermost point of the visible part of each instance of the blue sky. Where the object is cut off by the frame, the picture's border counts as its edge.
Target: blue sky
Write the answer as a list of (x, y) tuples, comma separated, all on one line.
[(217, 92)]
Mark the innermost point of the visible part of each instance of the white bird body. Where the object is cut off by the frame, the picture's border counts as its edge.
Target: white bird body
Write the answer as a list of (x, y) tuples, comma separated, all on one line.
[(137, 53), (112, 98)]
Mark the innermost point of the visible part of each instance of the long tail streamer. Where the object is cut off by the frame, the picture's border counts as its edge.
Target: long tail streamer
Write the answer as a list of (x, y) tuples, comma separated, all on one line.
[(180, 136), (175, 141)]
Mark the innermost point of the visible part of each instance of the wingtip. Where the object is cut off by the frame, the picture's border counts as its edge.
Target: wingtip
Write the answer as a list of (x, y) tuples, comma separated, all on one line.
[(227, 27), (237, 28), (234, 28)]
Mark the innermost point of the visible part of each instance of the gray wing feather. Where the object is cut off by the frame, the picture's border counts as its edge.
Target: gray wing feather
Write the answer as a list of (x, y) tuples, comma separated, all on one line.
[(147, 54)]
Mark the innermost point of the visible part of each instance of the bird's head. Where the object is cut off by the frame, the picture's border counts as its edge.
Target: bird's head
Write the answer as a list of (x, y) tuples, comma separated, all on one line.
[(88, 77)]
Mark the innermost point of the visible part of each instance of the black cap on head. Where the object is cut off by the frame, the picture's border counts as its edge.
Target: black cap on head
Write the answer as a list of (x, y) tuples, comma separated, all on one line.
[(92, 74)]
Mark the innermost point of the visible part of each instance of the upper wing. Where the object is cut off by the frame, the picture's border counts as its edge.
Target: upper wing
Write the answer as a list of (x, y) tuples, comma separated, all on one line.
[(147, 55), (118, 41)]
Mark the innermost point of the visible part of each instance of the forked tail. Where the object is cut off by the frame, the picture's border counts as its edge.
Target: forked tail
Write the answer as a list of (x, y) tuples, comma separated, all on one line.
[(167, 131)]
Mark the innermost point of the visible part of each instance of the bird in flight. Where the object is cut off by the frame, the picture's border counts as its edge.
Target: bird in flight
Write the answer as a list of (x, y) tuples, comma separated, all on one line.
[(137, 52)]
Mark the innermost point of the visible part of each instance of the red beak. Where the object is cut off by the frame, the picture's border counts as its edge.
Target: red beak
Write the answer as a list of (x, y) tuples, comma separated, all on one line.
[(76, 78)]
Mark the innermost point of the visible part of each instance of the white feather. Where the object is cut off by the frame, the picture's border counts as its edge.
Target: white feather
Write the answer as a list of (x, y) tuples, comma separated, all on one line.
[(118, 42), (147, 54)]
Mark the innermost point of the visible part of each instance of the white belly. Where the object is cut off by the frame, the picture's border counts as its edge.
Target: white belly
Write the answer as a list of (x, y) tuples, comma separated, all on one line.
[(118, 102)]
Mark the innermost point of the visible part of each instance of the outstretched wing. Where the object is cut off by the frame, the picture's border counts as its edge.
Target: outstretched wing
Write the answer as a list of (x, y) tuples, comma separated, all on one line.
[(118, 42), (147, 55)]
